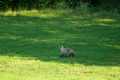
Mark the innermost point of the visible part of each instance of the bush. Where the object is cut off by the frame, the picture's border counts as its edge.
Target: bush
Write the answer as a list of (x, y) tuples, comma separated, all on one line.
[(107, 5)]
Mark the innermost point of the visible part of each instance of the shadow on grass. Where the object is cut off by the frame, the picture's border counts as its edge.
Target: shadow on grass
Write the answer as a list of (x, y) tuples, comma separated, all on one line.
[(96, 42)]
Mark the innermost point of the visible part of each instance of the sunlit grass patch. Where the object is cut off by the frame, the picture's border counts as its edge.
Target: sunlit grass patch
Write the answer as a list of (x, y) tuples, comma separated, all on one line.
[(47, 13), (7, 36), (106, 20), (112, 46)]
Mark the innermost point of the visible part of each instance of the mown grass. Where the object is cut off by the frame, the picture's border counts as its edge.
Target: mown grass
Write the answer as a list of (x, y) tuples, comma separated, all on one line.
[(29, 43)]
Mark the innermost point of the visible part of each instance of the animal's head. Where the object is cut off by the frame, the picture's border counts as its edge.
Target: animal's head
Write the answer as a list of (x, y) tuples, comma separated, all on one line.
[(61, 48)]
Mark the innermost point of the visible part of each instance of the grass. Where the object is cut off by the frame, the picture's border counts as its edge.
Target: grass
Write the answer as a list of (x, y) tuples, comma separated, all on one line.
[(29, 43)]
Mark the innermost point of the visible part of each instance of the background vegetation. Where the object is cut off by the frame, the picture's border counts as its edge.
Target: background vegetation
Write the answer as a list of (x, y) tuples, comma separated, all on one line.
[(40, 4)]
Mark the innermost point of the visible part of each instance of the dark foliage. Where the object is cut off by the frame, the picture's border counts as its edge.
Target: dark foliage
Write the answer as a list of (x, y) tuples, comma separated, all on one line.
[(40, 4)]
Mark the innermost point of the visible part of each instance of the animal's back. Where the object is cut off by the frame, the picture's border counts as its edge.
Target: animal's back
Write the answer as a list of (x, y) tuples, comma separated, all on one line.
[(69, 50)]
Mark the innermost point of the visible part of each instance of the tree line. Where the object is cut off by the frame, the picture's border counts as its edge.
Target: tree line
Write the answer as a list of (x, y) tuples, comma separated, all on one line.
[(40, 4)]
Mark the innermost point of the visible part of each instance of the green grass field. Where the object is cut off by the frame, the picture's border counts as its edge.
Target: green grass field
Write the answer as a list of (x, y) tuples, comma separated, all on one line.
[(29, 43)]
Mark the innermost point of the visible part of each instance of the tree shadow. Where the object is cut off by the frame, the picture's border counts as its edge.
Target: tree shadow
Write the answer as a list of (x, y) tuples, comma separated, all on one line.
[(94, 42)]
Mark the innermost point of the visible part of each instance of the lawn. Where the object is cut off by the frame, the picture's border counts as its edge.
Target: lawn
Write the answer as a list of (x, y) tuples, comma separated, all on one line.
[(29, 43)]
